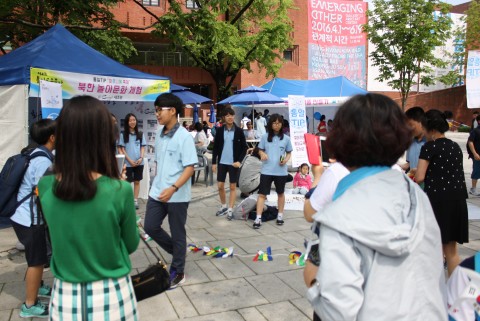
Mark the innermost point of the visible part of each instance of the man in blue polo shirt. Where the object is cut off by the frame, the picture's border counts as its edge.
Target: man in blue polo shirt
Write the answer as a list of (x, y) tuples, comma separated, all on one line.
[(170, 193), (416, 120)]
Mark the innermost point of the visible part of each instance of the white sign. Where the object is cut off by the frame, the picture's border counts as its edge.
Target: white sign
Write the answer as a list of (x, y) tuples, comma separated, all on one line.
[(51, 99), (298, 128), (473, 79)]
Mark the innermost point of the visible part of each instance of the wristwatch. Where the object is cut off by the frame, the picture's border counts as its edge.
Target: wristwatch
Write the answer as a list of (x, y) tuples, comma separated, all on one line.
[(175, 187)]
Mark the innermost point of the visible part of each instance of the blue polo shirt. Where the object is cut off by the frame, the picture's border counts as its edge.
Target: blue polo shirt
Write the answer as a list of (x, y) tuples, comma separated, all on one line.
[(37, 168), (173, 152), (132, 148), (227, 151), (274, 150), (413, 152)]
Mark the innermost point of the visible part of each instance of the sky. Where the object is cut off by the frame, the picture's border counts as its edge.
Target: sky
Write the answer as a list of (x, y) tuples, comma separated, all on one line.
[(455, 2)]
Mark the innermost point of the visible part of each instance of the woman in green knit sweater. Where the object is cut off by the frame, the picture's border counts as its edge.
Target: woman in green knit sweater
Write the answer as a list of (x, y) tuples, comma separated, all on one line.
[(91, 218)]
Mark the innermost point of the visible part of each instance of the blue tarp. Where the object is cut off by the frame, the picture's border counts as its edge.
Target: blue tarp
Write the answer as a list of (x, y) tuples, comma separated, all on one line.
[(331, 87), (58, 49)]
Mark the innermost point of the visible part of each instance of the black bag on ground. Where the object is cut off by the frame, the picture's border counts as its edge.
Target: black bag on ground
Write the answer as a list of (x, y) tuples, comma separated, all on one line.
[(154, 280), (11, 178), (271, 213)]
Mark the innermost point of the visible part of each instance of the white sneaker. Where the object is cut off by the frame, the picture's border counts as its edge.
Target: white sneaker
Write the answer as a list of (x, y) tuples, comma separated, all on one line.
[(229, 214), (474, 192), (222, 211)]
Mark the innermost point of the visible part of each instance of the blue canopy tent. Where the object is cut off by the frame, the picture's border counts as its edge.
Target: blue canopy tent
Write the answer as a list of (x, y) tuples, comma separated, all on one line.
[(59, 52), (327, 88)]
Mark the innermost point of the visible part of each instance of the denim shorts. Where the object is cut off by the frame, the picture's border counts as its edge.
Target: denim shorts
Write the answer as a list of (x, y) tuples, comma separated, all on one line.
[(476, 169)]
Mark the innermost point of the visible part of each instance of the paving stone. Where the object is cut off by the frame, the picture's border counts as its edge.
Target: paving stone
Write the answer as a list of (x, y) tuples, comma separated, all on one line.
[(251, 314), (294, 279), (232, 267), (295, 239), (295, 224), (279, 263), (232, 232), (210, 270), (140, 259), (5, 315), (181, 303), (9, 239), (304, 306), (12, 272), (195, 274), (196, 223), (199, 235), (225, 316), (12, 295), (256, 243), (221, 296), (267, 228), (149, 309), (272, 288), (16, 316), (281, 311)]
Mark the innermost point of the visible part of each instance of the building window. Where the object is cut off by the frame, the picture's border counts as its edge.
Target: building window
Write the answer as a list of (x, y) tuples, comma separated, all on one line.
[(151, 3), (292, 54), (191, 4)]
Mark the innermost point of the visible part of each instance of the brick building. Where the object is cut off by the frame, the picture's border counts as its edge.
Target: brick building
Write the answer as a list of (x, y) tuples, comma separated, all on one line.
[(156, 57)]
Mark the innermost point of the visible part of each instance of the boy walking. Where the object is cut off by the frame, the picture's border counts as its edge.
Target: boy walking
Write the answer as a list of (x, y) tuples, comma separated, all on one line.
[(229, 149), (170, 193), (29, 227)]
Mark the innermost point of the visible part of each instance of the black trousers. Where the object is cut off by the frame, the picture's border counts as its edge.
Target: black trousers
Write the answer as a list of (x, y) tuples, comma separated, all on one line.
[(176, 243)]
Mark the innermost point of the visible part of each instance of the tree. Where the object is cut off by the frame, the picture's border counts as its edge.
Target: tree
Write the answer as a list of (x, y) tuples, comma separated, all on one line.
[(90, 20), (223, 36), (405, 34), (466, 38)]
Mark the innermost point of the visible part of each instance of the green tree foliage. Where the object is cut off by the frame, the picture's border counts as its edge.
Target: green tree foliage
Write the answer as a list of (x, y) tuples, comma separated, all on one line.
[(466, 36), (90, 20), (405, 34), (224, 36)]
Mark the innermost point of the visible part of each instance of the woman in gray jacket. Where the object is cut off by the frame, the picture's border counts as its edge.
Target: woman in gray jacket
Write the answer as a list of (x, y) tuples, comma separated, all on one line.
[(380, 247)]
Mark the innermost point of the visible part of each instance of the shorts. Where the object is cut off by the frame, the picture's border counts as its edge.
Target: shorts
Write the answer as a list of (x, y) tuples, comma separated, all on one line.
[(34, 238), (266, 184), (222, 170), (135, 173), (476, 170)]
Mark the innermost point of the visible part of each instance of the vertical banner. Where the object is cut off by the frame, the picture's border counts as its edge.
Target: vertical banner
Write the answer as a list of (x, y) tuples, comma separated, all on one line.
[(298, 128), (51, 99), (336, 41), (473, 79)]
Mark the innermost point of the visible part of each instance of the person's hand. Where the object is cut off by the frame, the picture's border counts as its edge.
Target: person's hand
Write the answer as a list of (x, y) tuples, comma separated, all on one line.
[(413, 171), (249, 151), (214, 168), (123, 175), (166, 194), (309, 273), (283, 162), (236, 164), (476, 157), (263, 155)]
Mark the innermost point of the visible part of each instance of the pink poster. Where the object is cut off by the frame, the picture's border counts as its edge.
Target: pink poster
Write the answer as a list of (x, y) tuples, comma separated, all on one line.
[(336, 42)]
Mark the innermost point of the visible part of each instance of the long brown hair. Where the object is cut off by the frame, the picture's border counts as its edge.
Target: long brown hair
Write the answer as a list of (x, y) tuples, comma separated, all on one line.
[(84, 139)]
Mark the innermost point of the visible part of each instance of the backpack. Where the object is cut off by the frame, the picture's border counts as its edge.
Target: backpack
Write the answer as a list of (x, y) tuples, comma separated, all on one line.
[(477, 137), (11, 178)]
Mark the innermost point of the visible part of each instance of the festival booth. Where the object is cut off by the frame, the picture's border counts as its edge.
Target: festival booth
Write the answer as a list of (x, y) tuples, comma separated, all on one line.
[(322, 96), (58, 57)]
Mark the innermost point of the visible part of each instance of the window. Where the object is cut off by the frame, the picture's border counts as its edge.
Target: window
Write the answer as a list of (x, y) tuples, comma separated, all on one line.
[(191, 4), (292, 54), (151, 3)]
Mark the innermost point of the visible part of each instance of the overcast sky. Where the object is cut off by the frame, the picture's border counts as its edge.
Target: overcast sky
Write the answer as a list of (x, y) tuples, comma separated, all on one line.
[(456, 1)]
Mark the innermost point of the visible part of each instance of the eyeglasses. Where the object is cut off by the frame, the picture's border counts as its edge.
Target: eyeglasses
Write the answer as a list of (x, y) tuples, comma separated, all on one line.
[(277, 124), (159, 109)]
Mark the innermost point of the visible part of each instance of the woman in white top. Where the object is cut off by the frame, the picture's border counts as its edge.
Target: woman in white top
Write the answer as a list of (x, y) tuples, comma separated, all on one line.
[(201, 140)]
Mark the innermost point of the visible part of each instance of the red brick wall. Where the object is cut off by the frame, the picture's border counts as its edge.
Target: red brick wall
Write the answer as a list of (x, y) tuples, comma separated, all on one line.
[(452, 99)]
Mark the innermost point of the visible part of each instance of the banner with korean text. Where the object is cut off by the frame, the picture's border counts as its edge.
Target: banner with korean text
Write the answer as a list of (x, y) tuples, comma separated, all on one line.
[(472, 79), (298, 128), (336, 41), (101, 87)]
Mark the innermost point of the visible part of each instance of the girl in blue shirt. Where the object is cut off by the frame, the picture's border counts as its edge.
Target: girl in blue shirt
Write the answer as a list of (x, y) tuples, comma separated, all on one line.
[(132, 145), (275, 151)]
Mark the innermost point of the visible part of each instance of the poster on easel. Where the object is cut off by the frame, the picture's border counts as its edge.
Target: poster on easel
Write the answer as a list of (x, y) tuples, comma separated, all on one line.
[(298, 129), (50, 99)]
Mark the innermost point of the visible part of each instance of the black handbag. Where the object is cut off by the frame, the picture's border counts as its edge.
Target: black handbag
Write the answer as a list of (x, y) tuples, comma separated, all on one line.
[(154, 280)]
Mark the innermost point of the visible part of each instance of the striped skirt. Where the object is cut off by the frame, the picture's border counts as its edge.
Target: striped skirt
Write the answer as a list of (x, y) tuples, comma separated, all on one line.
[(109, 299)]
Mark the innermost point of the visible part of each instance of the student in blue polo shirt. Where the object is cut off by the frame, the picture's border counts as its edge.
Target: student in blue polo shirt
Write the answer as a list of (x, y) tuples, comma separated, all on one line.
[(416, 121), (275, 151), (29, 227), (170, 193), (132, 145)]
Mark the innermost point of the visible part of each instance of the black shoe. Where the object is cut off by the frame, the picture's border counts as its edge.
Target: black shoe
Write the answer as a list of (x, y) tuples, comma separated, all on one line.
[(280, 222), (178, 280), (257, 225)]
